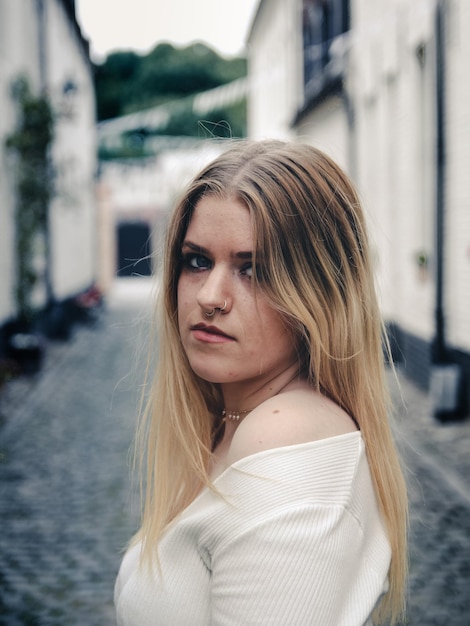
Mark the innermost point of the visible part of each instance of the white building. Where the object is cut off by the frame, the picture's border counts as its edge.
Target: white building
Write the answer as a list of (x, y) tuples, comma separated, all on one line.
[(381, 86), (296, 77), (136, 197), (41, 41), (392, 81), (274, 70)]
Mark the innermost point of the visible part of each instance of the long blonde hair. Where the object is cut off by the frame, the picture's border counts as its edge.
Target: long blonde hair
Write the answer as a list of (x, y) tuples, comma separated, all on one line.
[(315, 270)]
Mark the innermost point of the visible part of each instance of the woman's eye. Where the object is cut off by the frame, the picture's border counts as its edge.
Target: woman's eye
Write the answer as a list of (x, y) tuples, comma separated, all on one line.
[(196, 262), (247, 270)]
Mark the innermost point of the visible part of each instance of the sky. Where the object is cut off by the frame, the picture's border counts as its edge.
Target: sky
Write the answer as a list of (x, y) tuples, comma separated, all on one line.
[(141, 24)]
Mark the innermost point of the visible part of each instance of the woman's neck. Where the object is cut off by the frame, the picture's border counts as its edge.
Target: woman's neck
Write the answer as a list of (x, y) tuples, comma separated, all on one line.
[(245, 396)]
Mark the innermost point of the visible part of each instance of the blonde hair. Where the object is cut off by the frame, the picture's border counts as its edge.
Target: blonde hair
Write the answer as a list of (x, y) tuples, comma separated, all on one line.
[(315, 269)]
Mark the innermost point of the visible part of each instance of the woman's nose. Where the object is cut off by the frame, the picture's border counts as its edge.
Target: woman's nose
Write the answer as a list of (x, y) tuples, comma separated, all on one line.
[(215, 291)]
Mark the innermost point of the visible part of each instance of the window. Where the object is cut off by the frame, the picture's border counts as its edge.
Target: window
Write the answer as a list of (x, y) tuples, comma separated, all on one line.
[(323, 22)]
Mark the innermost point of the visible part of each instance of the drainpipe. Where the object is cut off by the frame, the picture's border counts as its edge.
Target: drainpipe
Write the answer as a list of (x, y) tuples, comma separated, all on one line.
[(41, 9), (445, 384), (439, 347)]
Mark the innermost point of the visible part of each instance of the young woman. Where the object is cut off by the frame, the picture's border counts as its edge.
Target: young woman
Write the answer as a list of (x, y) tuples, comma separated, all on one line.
[(274, 494)]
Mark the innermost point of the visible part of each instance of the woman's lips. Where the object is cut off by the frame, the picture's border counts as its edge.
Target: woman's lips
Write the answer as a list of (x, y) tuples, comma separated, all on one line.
[(210, 334)]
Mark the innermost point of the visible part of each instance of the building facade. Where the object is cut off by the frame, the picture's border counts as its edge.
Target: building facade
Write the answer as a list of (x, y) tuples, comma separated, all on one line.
[(41, 42), (380, 85), (296, 53), (136, 197)]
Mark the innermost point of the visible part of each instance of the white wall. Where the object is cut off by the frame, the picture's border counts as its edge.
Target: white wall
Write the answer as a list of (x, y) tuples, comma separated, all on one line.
[(393, 96), (18, 55), (390, 149), (153, 184), (274, 66), (326, 128), (72, 212), (457, 240)]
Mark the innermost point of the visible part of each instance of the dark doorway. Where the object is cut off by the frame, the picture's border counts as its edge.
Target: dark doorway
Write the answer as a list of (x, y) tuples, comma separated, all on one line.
[(134, 249)]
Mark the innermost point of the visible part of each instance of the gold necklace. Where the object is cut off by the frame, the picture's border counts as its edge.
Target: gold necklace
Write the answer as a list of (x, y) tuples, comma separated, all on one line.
[(233, 415)]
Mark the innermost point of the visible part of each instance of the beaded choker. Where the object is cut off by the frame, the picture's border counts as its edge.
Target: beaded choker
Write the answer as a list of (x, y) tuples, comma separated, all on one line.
[(233, 415)]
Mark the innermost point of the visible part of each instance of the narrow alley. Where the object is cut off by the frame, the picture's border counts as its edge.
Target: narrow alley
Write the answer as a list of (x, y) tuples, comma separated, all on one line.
[(68, 504)]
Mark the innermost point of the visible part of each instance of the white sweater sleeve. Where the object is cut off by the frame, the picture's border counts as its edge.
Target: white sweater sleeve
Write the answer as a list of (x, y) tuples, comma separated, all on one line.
[(298, 551), (298, 567), (291, 537)]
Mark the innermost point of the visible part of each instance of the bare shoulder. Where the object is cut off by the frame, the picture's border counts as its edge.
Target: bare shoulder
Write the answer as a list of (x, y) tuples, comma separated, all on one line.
[(290, 418)]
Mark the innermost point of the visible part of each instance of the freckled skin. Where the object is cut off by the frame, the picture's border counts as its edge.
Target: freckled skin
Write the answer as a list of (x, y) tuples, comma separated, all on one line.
[(217, 268), (246, 348)]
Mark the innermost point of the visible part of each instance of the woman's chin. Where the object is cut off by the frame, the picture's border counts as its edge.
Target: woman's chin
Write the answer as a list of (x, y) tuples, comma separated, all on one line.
[(215, 375)]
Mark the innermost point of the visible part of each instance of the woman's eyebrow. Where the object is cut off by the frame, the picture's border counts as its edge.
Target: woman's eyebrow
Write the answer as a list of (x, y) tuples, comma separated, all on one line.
[(248, 254), (194, 246)]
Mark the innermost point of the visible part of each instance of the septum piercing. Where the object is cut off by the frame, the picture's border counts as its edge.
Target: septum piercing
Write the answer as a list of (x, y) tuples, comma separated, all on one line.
[(220, 308)]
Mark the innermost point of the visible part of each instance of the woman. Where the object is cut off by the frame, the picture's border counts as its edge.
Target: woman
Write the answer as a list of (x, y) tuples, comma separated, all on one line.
[(274, 493)]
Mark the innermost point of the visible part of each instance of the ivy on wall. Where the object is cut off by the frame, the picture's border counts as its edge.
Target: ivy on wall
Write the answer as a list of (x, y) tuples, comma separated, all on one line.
[(30, 142)]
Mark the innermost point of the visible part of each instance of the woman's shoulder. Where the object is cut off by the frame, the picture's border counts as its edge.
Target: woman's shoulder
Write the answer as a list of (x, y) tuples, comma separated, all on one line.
[(294, 417)]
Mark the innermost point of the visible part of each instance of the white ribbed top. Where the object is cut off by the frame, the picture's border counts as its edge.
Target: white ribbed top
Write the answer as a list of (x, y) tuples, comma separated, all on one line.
[(296, 540)]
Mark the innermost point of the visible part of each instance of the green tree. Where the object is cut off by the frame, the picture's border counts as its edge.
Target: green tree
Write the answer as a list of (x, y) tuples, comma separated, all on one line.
[(128, 82), (112, 81)]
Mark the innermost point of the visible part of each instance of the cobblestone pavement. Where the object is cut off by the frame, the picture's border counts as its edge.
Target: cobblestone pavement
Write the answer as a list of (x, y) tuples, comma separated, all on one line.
[(66, 507), (437, 459), (67, 504)]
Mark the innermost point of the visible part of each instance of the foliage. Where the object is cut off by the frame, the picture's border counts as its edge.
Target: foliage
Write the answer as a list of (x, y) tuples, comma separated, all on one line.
[(228, 122), (127, 82), (421, 258), (30, 142), (113, 81), (221, 123)]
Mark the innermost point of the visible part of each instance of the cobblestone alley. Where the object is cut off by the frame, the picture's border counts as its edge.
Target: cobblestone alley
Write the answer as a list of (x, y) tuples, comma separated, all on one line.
[(67, 507)]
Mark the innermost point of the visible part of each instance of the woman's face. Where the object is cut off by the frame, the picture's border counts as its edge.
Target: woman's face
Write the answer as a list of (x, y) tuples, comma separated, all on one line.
[(247, 342)]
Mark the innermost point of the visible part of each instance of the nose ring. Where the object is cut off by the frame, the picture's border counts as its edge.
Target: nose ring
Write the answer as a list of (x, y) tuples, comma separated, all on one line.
[(211, 313)]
